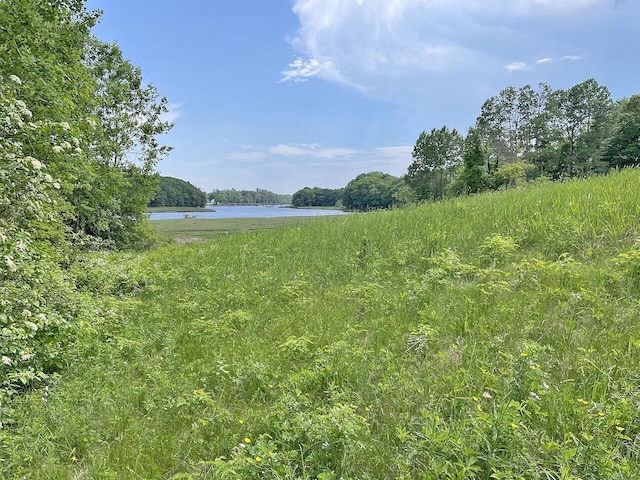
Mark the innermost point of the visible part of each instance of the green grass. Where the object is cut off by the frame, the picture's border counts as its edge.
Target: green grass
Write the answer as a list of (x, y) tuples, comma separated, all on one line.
[(185, 230), (491, 337)]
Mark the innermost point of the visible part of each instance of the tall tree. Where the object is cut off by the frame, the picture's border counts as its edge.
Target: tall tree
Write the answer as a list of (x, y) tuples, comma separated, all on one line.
[(472, 177), (623, 148), (579, 117), (436, 155)]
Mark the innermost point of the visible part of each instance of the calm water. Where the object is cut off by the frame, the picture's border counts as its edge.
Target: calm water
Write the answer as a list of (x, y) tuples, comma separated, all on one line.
[(247, 212)]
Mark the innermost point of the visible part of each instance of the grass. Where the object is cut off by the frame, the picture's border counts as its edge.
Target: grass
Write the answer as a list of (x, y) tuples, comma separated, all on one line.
[(201, 229), (491, 337)]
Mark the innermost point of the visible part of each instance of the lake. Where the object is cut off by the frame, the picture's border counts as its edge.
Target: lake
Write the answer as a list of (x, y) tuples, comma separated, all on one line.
[(248, 211)]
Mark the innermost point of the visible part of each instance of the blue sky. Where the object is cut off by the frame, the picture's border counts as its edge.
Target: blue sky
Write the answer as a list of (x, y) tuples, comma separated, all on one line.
[(283, 94)]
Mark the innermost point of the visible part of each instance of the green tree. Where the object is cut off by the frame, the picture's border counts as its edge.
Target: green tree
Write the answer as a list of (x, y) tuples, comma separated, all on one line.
[(174, 192), (580, 118), (472, 177), (436, 155), (370, 191), (623, 147)]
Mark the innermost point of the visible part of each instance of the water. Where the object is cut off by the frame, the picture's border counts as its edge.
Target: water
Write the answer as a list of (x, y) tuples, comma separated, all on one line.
[(251, 211)]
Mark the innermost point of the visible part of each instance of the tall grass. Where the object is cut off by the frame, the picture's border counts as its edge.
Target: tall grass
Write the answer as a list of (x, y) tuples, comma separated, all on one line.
[(491, 337)]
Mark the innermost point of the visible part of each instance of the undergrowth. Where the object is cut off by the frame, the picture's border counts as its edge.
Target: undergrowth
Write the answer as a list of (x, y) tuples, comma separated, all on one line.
[(490, 337)]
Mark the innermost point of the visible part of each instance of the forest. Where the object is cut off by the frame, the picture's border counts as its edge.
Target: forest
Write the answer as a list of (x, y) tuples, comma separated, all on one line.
[(521, 134)]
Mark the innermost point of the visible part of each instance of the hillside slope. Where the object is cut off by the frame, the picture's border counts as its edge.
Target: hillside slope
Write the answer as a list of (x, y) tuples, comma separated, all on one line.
[(495, 336)]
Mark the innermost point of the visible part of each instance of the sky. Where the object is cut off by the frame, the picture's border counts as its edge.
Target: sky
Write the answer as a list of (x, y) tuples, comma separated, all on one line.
[(284, 94)]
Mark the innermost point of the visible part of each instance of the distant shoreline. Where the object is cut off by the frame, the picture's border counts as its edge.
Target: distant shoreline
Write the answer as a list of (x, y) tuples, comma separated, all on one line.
[(177, 209)]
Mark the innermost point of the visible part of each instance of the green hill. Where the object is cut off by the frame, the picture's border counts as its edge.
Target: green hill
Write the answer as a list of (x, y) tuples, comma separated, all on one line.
[(491, 337)]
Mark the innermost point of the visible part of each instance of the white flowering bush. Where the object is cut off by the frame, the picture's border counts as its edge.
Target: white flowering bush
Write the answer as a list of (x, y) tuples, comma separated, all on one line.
[(37, 301)]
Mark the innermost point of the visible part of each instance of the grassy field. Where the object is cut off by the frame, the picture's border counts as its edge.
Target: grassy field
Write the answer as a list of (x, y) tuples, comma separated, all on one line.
[(491, 337), (195, 229)]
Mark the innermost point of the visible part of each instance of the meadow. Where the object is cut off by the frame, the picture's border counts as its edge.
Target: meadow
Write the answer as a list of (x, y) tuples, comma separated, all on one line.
[(488, 337)]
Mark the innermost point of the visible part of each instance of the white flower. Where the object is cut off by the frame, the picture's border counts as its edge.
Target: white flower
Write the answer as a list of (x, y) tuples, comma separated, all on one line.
[(487, 395), (37, 164), (6, 360), (42, 317), (12, 266), (57, 149), (15, 79), (26, 313), (77, 150), (65, 145), (534, 395), (65, 126), (56, 185), (31, 325), (48, 178)]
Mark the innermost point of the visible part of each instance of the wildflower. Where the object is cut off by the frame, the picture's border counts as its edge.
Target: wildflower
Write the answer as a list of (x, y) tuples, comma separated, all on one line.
[(65, 126), (73, 458), (600, 414), (31, 325), (15, 79), (6, 360), (514, 426), (619, 428), (247, 440), (65, 145), (534, 395), (48, 178), (241, 421), (12, 266), (487, 395), (57, 149), (258, 459), (545, 385), (36, 164), (479, 407), (77, 150)]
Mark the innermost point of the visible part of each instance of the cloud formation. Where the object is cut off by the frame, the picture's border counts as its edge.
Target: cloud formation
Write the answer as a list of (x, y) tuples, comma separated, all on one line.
[(370, 45)]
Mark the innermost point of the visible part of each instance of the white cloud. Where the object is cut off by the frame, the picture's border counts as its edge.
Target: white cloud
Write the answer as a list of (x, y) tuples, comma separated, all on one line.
[(173, 113), (517, 67), (391, 49)]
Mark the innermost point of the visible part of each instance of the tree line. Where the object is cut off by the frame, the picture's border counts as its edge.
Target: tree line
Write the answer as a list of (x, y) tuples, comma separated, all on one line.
[(520, 134), (258, 196)]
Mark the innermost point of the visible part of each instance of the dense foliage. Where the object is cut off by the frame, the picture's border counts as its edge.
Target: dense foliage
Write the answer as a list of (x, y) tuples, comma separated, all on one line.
[(316, 197), (370, 191), (77, 150), (174, 192), (491, 337), (258, 196), (529, 133)]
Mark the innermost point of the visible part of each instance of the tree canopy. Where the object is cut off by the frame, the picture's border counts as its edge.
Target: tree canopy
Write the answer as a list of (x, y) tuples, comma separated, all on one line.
[(174, 192)]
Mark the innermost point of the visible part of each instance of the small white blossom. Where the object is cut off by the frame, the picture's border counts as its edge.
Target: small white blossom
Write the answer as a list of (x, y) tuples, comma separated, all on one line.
[(65, 126), (545, 385), (15, 79), (56, 185), (31, 325), (57, 149), (534, 395), (12, 266), (48, 178), (37, 164), (26, 313), (65, 145), (487, 395), (6, 360), (77, 150), (42, 317)]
